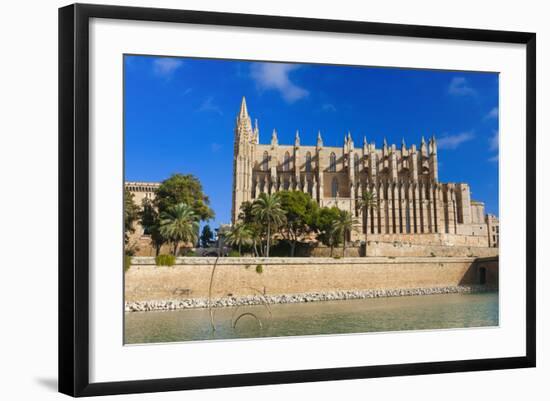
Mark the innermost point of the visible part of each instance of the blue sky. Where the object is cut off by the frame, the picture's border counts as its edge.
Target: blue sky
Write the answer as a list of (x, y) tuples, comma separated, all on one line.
[(180, 115)]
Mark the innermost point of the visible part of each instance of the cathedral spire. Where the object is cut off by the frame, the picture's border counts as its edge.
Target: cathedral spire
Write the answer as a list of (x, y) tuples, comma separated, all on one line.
[(256, 136), (243, 113), (423, 146), (403, 145), (434, 145), (319, 139), (297, 138), (274, 140)]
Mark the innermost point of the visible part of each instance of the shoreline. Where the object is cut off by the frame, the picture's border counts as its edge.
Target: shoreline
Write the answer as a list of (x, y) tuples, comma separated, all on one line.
[(250, 300)]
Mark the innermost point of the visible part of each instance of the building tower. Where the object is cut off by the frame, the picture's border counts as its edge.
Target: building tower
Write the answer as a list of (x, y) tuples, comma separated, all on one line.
[(243, 151)]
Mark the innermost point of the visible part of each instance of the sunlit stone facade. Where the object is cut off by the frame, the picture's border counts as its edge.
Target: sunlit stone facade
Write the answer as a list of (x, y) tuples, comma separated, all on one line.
[(411, 200)]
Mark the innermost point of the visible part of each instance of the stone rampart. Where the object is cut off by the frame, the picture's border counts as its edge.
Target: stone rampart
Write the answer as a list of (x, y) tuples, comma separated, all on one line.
[(190, 277)]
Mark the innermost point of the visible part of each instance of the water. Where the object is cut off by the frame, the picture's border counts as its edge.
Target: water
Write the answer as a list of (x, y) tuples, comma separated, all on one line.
[(330, 317)]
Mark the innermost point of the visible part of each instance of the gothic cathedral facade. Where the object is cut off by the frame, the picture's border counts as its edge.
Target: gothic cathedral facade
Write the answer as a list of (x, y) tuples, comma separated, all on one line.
[(410, 198)]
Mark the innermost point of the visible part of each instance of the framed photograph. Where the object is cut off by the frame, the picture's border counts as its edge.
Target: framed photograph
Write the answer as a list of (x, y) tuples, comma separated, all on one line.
[(251, 199)]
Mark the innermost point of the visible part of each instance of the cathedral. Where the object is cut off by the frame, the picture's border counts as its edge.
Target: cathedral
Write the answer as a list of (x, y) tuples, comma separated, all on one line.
[(411, 202)]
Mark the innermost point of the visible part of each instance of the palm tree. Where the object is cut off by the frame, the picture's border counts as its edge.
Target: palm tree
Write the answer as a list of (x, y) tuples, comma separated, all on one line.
[(267, 210), (239, 235), (367, 200), (179, 223), (344, 224)]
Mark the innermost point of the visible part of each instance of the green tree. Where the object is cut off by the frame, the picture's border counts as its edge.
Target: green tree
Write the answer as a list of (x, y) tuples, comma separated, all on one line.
[(180, 188), (150, 221), (238, 236), (324, 224), (179, 223), (300, 211), (267, 210), (343, 225), (256, 229), (131, 214), (207, 236), (366, 202)]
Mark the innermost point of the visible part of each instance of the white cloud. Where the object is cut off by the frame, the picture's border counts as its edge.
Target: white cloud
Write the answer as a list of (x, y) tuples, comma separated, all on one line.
[(492, 114), (459, 87), (328, 107), (209, 106), (166, 66), (493, 141), (275, 76), (454, 141)]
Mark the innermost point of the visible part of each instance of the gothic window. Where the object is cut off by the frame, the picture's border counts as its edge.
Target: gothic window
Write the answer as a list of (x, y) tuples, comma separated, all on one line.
[(308, 162), (334, 188), (332, 163), (286, 162), (265, 162)]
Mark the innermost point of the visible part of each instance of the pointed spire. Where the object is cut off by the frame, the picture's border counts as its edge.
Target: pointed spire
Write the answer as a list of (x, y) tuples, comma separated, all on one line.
[(297, 138), (434, 145), (403, 146), (385, 142), (319, 139), (365, 140), (423, 145), (243, 113), (274, 140), (256, 133)]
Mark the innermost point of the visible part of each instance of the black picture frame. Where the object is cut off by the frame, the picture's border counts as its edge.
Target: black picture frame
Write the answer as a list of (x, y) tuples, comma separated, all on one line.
[(74, 198)]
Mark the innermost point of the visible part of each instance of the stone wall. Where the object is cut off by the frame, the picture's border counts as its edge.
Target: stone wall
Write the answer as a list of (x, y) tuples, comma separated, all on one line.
[(190, 277)]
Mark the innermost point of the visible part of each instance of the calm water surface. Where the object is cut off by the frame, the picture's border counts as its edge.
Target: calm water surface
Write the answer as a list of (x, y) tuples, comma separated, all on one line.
[(331, 317)]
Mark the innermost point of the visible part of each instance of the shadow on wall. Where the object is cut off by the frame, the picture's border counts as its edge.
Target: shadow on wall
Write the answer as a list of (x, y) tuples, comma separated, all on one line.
[(484, 271)]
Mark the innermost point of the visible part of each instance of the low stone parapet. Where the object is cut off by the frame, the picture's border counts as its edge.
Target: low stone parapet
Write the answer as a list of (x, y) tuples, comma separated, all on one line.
[(190, 277)]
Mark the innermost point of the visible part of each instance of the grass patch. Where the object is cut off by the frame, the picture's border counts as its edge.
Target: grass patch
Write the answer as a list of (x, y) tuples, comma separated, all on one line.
[(165, 260), (127, 262), (233, 253), (259, 269)]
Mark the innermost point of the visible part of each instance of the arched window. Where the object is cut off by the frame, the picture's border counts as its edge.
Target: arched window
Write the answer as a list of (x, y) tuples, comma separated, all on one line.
[(265, 162), (356, 163), (332, 163), (308, 162), (334, 188), (286, 162)]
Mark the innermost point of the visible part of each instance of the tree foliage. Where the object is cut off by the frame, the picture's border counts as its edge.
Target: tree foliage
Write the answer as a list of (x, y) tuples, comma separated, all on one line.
[(149, 218), (187, 189), (238, 236), (267, 209), (366, 202), (343, 226), (300, 212), (207, 236), (179, 224), (324, 224), (131, 214)]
